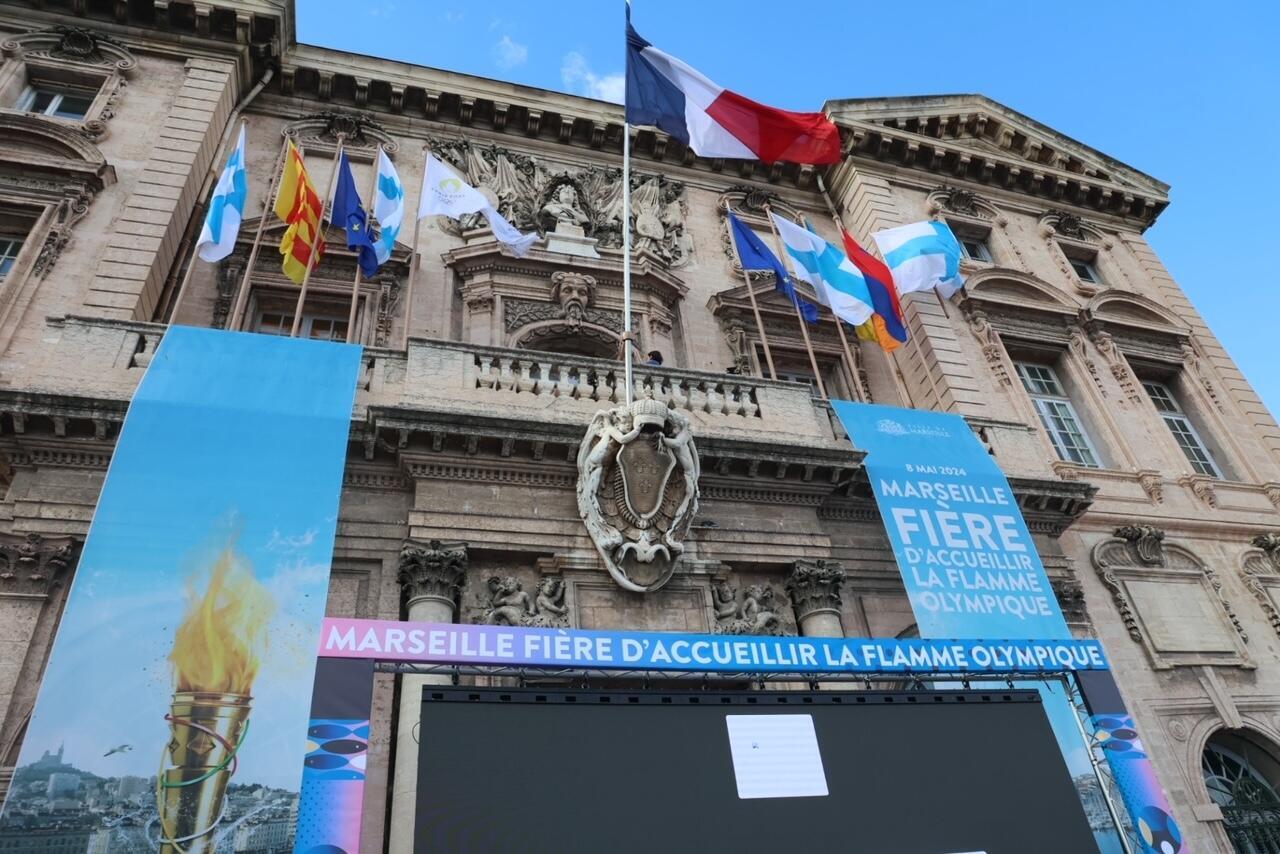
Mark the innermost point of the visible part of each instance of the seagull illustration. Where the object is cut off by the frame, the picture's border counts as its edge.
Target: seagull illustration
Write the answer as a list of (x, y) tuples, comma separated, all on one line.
[(123, 748)]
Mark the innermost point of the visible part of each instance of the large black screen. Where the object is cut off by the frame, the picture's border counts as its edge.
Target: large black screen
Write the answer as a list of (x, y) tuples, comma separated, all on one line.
[(926, 772)]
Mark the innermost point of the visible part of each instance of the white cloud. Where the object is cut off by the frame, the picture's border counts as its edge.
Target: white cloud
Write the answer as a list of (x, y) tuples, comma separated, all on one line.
[(282, 543), (508, 53), (579, 78)]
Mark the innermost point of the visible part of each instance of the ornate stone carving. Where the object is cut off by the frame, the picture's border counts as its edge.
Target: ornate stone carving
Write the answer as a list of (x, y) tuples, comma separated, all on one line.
[(1272, 491), (1153, 485), (989, 339), (76, 44), (1070, 596), (1261, 574), (510, 605), (638, 490), (68, 211), (1195, 366), (960, 201), (1202, 487), (1078, 346), (1216, 584), (1116, 362), (814, 586), (1147, 542), (361, 134), (432, 571), (735, 335), (1065, 223), (34, 565), (755, 615), (532, 197), (574, 292)]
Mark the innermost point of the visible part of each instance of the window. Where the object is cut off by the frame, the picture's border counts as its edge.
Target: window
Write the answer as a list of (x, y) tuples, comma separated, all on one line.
[(975, 249), (1181, 428), (1085, 271), (1057, 414), (52, 101), (10, 246), (313, 326)]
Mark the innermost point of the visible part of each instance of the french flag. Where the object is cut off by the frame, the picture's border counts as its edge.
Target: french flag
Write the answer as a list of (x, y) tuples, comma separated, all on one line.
[(665, 93)]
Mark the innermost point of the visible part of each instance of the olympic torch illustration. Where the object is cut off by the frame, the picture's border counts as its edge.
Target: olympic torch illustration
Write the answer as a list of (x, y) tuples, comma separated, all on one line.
[(217, 651)]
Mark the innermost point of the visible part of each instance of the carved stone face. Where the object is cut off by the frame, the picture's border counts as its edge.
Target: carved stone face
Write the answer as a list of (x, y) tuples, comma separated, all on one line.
[(573, 292)]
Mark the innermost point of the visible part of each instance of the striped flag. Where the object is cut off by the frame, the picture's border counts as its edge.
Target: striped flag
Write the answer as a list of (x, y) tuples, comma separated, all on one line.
[(388, 207), (226, 208), (922, 256), (299, 205)]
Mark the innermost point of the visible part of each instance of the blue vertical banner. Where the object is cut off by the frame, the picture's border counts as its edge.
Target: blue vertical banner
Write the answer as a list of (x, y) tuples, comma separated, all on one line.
[(967, 559), (971, 570), (174, 712)]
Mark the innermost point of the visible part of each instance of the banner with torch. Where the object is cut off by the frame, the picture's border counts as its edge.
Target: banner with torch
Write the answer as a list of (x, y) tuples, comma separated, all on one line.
[(175, 710)]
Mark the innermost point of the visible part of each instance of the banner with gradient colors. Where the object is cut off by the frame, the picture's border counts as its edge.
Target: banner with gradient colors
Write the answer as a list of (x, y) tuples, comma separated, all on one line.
[(174, 711)]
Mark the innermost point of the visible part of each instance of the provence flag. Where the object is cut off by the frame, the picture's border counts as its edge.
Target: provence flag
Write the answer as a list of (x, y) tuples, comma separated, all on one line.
[(754, 255), (388, 207), (348, 213), (226, 208), (299, 205), (921, 256)]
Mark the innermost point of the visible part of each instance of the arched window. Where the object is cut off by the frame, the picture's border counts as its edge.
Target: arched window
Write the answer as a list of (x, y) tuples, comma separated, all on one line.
[(1242, 776)]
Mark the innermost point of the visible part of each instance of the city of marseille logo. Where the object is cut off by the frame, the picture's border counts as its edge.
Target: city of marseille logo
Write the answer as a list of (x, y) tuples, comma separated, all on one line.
[(896, 428), (893, 428)]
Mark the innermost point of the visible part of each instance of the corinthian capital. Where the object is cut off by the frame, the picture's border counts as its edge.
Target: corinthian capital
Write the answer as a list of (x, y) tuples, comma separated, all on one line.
[(432, 571), (814, 586)]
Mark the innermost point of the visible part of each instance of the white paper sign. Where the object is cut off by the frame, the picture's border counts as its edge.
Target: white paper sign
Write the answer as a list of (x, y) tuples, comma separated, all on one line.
[(776, 756)]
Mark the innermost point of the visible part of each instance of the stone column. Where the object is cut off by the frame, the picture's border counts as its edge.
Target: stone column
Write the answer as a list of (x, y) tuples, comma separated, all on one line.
[(814, 588), (430, 579)]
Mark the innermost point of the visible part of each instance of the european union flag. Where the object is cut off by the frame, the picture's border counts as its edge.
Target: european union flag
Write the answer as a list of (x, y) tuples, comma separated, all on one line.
[(349, 213), (754, 255)]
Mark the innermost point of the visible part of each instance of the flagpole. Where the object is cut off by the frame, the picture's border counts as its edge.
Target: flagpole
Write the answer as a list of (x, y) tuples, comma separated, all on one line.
[(795, 303), (316, 239), (893, 354), (628, 338), (413, 259), (755, 306), (242, 290), (368, 218), (220, 157), (856, 388)]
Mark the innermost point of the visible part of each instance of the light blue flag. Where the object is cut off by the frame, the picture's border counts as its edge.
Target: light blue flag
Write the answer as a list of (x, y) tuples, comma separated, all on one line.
[(226, 208), (388, 207), (839, 285), (921, 256)]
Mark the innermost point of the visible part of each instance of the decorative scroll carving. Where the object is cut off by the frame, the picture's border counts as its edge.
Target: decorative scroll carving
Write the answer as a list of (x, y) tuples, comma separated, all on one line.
[(432, 571), (753, 202), (1195, 366), (68, 211), (360, 132), (1077, 344), (34, 565), (510, 605), (755, 615), (989, 339), (1153, 485), (1116, 362), (1261, 573), (735, 335), (532, 197), (75, 44), (1202, 487), (1067, 224), (814, 587), (961, 201), (638, 490), (1107, 556), (1070, 596), (1216, 584), (1147, 543)]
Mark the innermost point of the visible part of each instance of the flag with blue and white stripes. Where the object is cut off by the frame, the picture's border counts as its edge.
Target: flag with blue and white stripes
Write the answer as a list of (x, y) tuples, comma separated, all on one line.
[(388, 207), (921, 256), (226, 208)]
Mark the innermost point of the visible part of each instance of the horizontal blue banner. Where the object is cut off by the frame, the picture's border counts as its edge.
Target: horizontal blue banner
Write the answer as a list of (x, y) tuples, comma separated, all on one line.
[(447, 643)]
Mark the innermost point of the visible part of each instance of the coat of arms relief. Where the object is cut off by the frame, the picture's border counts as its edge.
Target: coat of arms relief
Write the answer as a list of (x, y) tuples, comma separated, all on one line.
[(638, 490)]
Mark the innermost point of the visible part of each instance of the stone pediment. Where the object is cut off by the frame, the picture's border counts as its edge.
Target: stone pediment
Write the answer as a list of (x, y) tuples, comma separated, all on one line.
[(972, 136)]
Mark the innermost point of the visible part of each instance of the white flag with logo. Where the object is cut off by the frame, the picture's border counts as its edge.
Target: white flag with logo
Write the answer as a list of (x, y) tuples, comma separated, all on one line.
[(445, 194)]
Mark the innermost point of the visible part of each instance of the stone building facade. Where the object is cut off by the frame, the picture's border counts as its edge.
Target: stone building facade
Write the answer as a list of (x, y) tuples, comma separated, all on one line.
[(1147, 467)]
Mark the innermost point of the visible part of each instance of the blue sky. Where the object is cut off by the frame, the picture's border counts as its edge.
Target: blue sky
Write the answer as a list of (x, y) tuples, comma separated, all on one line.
[(1177, 90)]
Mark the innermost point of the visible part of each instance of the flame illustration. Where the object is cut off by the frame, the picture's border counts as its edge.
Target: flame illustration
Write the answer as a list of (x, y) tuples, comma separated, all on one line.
[(219, 646)]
